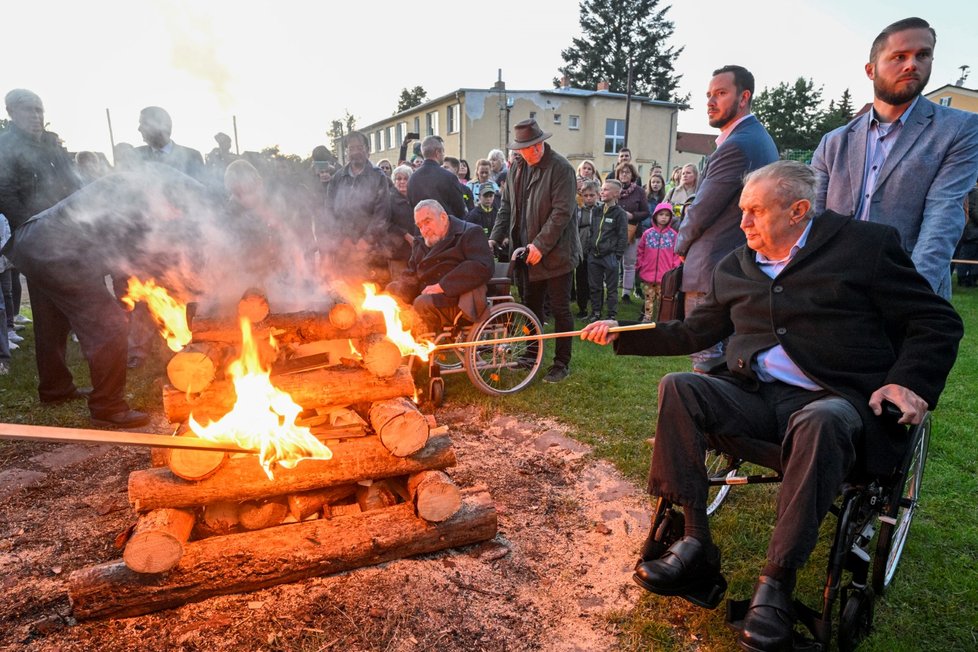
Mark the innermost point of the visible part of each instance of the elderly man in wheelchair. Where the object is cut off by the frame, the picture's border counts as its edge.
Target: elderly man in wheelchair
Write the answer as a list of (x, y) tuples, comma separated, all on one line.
[(829, 324), (450, 265)]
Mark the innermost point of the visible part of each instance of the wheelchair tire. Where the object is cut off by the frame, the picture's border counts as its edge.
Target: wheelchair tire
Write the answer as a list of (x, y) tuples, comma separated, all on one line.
[(499, 369), (855, 619), (436, 391), (716, 464), (900, 509)]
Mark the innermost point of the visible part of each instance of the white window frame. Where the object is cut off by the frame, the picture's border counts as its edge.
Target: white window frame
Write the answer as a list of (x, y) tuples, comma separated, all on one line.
[(574, 122), (614, 132), (945, 101), (431, 123), (557, 118), (453, 118)]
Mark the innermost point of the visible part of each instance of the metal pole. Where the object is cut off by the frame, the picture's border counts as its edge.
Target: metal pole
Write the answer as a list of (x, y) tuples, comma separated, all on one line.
[(234, 122), (628, 101), (108, 118), (541, 336)]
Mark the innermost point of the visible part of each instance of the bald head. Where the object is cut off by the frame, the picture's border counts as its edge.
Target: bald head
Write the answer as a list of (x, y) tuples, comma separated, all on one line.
[(26, 111)]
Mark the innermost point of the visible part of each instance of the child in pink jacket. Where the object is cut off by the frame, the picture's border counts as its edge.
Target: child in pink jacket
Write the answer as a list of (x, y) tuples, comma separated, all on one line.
[(656, 256)]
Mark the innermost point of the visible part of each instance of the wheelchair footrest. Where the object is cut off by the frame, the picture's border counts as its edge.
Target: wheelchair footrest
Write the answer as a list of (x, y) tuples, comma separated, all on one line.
[(737, 611)]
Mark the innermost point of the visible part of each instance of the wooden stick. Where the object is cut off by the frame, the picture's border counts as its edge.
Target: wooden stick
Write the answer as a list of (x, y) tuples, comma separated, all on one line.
[(114, 437), (541, 336)]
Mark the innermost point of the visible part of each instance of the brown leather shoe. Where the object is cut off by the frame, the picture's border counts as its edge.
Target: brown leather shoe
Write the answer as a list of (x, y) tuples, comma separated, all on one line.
[(123, 419)]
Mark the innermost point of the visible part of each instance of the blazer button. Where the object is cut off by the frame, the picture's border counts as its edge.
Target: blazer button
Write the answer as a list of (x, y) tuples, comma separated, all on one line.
[(740, 363), (778, 289), (781, 331)]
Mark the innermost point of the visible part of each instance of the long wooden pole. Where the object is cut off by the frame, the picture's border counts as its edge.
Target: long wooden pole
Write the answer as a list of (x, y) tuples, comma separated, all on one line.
[(541, 336), (81, 435)]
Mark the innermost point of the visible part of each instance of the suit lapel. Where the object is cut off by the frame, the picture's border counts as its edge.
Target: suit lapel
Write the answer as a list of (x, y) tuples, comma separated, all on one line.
[(857, 156), (917, 122)]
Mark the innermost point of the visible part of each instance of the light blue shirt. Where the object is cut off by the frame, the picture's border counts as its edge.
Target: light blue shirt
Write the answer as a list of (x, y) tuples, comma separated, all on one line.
[(774, 364), (879, 141)]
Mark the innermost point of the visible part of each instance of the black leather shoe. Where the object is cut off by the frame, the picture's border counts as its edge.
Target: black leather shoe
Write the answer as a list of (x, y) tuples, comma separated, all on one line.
[(770, 619), (124, 419), (685, 570), (77, 394)]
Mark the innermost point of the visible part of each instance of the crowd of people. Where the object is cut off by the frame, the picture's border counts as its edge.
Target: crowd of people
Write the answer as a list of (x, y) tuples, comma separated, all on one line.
[(853, 251)]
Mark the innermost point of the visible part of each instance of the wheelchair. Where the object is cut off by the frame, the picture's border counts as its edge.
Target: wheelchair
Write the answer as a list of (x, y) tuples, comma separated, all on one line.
[(873, 518), (494, 369)]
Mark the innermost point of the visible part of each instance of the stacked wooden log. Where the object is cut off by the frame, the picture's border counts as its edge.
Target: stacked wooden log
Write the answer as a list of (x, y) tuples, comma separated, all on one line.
[(211, 523)]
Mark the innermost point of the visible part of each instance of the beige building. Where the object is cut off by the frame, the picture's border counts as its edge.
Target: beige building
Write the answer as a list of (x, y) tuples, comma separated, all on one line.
[(586, 124), (956, 97)]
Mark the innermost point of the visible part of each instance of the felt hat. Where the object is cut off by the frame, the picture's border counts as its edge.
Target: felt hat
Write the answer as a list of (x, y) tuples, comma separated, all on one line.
[(527, 134)]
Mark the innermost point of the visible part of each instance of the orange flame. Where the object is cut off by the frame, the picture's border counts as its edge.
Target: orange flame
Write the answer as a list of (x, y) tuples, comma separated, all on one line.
[(168, 313), (263, 417), (392, 319)]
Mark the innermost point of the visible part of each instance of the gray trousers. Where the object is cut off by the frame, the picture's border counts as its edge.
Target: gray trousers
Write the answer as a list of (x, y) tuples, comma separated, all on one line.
[(809, 436)]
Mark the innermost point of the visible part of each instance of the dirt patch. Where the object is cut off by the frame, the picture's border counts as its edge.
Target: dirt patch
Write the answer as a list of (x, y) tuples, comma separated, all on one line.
[(569, 528)]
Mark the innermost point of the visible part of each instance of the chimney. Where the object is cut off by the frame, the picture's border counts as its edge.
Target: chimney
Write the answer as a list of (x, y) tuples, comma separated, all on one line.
[(500, 85), (603, 86), (565, 81)]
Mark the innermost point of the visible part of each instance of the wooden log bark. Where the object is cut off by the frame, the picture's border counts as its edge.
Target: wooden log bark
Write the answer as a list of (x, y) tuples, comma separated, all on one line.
[(243, 478), (253, 305), (197, 365), (434, 496), (400, 424), (306, 503), (158, 540), (262, 513), (289, 328), (376, 495), (249, 561), (332, 387)]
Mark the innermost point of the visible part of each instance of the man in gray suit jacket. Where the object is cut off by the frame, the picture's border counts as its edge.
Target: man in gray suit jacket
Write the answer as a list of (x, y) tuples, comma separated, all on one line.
[(711, 228), (908, 162)]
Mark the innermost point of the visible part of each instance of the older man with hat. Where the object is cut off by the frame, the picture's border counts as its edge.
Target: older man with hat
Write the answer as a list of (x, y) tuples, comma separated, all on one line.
[(535, 216)]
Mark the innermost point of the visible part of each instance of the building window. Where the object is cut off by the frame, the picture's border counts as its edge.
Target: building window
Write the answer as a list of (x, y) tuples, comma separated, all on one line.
[(417, 125), (453, 125), (533, 115), (379, 140), (390, 142), (557, 118), (614, 135), (431, 123), (946, 101), (401, 130), (574, 122)]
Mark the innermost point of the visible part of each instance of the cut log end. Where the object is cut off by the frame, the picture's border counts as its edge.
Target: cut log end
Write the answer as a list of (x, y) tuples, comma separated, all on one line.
[(343, 316), (253, 305), (402, 428), (157, 542)]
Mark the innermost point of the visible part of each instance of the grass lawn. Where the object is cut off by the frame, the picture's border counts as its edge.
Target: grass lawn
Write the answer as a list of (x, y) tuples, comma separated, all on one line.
[(611, 404)]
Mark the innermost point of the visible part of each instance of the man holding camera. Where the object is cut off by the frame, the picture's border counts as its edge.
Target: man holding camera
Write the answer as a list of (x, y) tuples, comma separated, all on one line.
[(535, 216)]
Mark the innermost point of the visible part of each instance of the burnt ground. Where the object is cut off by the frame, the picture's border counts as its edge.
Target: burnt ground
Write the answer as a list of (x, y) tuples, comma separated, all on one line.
[(559, 567)]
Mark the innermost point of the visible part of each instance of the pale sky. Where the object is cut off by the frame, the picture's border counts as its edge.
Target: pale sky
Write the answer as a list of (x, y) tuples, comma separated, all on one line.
[(287, 68)]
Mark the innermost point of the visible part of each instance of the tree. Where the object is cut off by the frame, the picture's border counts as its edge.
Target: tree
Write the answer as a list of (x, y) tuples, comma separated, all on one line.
[(616, 33), (339, 128), (791, 113), (411, 98), (837, 115)]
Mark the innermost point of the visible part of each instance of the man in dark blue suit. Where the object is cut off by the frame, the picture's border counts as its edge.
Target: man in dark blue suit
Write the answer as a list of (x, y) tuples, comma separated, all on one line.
[(711, 228), (432, 181)]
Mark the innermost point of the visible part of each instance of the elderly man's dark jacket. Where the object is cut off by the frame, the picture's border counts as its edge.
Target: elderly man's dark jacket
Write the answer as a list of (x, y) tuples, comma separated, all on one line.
[(544, 195), (357, 207), (850, 310), (34, 174), (185, 159), (460, 262), (432, 181)]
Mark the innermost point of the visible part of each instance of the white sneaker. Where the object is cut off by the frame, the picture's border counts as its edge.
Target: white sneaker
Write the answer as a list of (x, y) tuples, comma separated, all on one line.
[(12, 347), (4, 368), (22, 319), (12, 336)]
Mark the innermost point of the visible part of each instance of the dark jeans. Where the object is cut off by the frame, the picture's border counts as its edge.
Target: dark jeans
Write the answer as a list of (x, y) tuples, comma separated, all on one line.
[(77, 300), (603, 273), (559, 290), (582, 289), (809, 436), (7, 285), (435, 318)]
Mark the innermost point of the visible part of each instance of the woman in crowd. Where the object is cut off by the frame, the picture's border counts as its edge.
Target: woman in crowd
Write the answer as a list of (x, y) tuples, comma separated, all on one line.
[(655, 191), (684, 192), (586, 172), (385, 166), (674, 178), (463, 172), (635, 203), (402, 213)]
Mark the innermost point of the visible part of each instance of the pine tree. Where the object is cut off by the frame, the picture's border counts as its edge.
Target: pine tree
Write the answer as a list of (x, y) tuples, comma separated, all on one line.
[(619, 32), (411, 98), (791, 113)]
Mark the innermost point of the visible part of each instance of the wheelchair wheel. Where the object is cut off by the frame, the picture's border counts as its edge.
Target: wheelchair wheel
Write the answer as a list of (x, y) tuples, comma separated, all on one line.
[(718, 465), (899, 511), (856, 619), (498, 369), (436, 391)]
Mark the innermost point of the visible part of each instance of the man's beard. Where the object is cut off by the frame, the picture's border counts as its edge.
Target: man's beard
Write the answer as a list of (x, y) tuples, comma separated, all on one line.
[(894, 98), (724, 120)]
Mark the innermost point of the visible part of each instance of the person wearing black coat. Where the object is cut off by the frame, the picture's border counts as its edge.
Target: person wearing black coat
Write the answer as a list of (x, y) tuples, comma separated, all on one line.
[(827, 319), (449, 268), (432, 181)]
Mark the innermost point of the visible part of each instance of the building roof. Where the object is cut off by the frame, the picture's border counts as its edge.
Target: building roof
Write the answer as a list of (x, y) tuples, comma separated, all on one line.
[(687, 141), (947, 88)]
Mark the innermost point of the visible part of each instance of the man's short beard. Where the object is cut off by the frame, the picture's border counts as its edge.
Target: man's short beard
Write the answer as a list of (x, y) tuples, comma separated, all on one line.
[(896, 99), (725, 119)]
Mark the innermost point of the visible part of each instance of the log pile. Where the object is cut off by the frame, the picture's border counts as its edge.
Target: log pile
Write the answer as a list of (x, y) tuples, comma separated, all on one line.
[(211, 523)]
